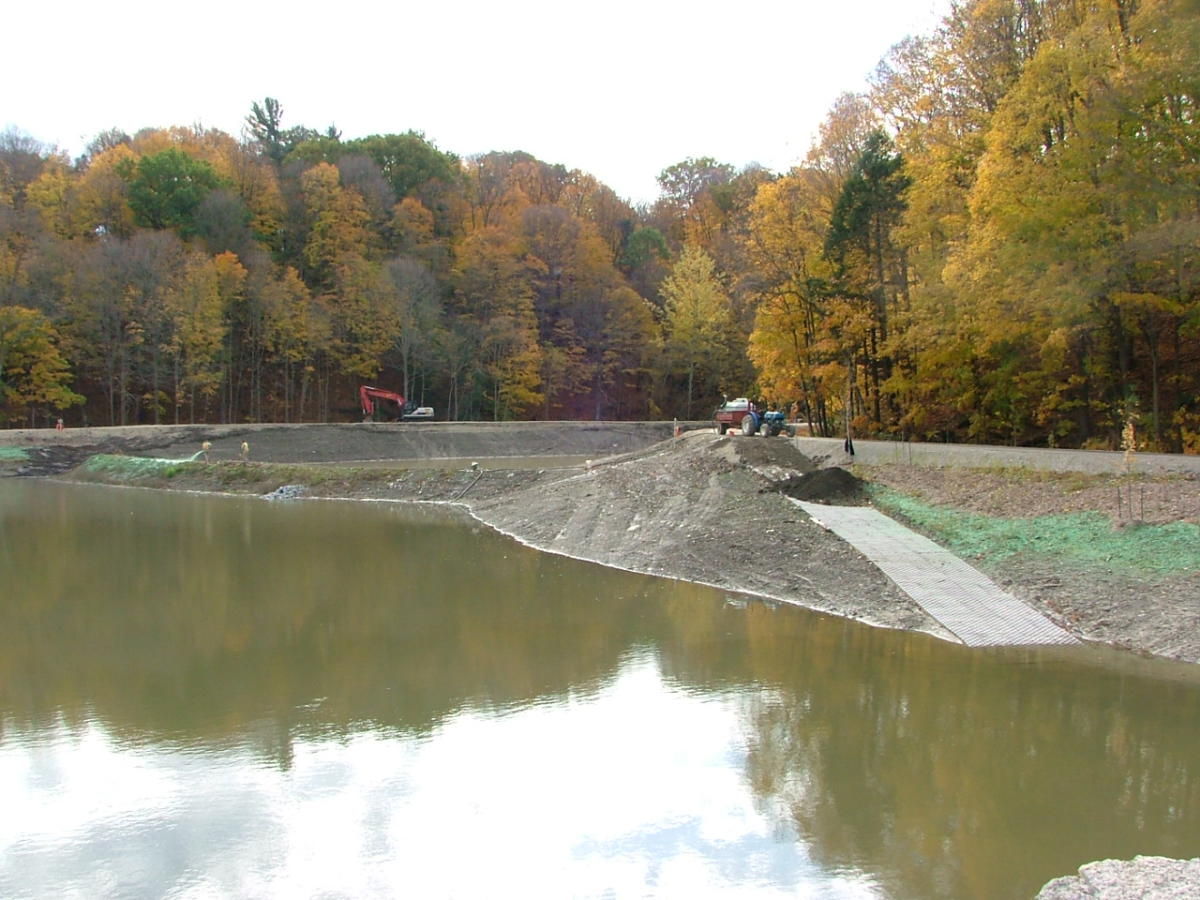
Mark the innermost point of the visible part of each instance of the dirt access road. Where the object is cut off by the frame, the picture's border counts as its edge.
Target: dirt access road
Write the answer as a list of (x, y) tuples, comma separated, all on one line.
[(714, 510)]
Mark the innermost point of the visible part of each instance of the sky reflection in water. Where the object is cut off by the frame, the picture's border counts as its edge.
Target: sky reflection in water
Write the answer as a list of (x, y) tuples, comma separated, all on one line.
[(637, 788)]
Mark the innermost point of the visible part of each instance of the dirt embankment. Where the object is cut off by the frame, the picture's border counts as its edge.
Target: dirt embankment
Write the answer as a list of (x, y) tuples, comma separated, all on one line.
[(706, 509), (50, 452)]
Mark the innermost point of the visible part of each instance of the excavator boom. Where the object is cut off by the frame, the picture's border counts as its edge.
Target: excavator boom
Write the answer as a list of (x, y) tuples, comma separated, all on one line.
[(373, 400)]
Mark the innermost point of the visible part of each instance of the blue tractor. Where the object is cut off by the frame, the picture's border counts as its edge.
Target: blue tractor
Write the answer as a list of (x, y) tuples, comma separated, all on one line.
[(745, 415)]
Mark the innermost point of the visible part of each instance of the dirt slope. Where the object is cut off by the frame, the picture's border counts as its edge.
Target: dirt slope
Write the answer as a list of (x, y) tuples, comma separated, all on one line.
[(704, 509)]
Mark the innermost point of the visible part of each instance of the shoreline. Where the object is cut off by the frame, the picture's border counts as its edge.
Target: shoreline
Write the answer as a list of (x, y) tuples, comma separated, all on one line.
[(709, 510)]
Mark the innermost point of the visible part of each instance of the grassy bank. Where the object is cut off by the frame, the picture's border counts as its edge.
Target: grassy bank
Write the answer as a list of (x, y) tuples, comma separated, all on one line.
[(1088, 538)]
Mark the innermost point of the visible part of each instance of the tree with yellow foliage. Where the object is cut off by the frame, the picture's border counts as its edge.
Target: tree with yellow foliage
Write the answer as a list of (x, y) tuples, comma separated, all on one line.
[(33, 371), (494, 297), (698, 325)]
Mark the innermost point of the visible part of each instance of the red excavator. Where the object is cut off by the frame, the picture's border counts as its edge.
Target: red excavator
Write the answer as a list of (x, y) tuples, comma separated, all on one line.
[(388, 405)]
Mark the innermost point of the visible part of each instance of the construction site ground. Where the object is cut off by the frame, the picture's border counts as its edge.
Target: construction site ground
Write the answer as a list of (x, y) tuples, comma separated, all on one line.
[(1112, 558)]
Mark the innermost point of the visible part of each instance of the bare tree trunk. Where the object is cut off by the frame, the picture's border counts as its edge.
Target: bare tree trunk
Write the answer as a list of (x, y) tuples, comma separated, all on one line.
[(287, 391), (154, 357), (850, 391), (303, 394), (176, 388), (691, 379)]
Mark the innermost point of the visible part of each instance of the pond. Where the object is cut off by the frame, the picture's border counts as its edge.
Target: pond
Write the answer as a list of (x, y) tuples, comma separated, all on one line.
[(212, 696)]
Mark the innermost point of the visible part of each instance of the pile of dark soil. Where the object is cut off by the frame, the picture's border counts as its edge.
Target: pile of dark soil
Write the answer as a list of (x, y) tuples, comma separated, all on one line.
[(830, 486), (757, 452)]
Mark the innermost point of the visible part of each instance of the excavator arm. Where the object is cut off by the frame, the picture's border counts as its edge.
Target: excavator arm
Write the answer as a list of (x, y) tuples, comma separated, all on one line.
[(372, 398)]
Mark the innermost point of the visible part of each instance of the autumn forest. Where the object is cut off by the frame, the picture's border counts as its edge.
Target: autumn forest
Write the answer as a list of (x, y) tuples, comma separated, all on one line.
[(998, 241)]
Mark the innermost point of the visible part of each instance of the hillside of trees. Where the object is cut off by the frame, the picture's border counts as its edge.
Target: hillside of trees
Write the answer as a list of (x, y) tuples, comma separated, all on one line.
[(999, 242)]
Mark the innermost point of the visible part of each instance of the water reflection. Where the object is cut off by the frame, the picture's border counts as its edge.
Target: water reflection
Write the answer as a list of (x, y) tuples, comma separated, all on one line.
[(188, 617), (556, 799), (208, 696)]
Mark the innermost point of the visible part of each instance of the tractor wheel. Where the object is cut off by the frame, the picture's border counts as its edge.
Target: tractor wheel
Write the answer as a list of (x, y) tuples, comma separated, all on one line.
[(749, 426), (721, 427)]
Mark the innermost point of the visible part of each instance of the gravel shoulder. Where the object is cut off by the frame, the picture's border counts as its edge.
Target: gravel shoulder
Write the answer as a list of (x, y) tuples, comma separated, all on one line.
[(715, 510)]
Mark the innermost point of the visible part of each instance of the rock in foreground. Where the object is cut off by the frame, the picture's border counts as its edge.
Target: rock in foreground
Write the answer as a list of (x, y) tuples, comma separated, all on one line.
[(1142, 878)]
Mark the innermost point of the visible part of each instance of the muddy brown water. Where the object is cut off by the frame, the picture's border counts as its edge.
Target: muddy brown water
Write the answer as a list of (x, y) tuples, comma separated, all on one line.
[(214, 696)]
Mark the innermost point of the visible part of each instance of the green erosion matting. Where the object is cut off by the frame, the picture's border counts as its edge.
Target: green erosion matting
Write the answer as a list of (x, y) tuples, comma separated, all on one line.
[(1084, 537), (13, 454), (134, 466), (962, 598)]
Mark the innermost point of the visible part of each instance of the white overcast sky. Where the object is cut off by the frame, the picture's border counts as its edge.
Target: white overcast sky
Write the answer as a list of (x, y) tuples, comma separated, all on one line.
[(620, 89)]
